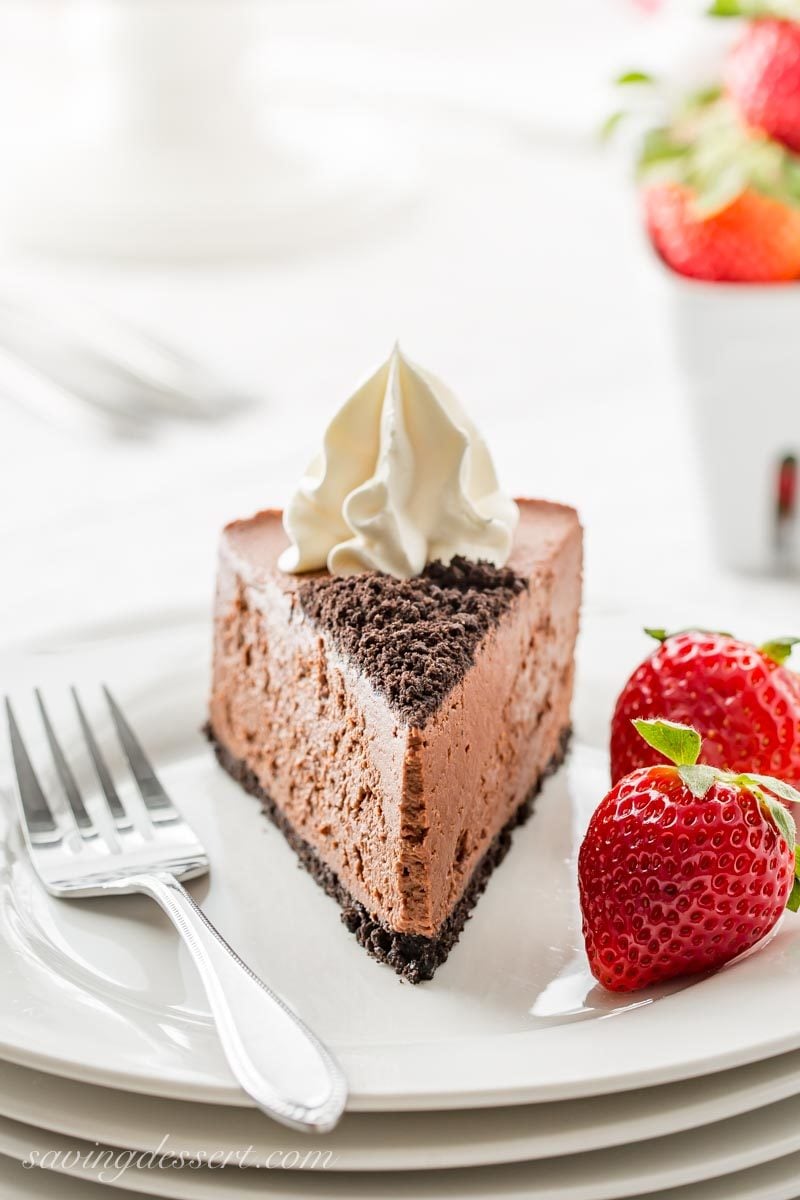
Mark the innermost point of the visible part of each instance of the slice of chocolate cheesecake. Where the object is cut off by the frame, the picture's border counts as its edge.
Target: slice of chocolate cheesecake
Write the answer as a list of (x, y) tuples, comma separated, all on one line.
[(396, 730)]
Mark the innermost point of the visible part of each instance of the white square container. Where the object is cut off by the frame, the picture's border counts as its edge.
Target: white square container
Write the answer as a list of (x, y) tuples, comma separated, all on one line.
[(739, 353)]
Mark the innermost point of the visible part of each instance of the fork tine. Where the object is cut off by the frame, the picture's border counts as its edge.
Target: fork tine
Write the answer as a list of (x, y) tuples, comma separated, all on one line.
[(36, 810), (71, 790), (103, 774), (150, 787)]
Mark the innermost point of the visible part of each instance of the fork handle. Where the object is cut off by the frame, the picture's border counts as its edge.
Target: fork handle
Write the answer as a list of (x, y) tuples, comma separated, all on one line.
[(276, 1059)]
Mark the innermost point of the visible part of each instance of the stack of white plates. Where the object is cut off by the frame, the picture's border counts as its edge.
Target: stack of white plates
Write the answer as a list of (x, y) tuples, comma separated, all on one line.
[(510, 1075)]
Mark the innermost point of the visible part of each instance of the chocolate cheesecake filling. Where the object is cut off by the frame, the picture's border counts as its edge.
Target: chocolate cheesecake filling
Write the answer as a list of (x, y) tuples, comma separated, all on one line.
[(413, 956), (395, 730), (414, 639)]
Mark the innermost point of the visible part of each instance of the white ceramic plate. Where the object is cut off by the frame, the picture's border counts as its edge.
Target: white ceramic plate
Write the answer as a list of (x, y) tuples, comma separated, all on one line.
[(100, 991), (776, 1180), (399, 1141), (666, 1162)]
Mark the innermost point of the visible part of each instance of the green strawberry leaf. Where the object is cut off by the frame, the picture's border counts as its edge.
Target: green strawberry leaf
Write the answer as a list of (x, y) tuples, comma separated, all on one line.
[(660, 146), (679, 743), (725, 8), (610, 124), (660, 635), (753, 9), (709, 151), (698, 779), (717, 192), (782, 818), (793, 903), (777, 786), (628, 77), (704, 96), (779, 649)]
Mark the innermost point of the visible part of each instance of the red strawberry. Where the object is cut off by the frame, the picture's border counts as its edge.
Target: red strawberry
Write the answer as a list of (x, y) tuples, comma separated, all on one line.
[(683, 867), (753, 239), (762, 77), (742, 699)]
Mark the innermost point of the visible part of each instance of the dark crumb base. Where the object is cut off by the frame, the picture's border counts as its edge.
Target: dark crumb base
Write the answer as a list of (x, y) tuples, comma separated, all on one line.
[(411, 955)]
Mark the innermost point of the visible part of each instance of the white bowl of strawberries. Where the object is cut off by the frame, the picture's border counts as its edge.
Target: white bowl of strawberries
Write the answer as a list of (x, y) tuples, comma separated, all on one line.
[(720, 185)]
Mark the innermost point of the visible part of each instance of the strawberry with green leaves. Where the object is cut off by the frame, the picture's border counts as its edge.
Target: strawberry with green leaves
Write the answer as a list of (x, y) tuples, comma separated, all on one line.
[(752, 239), (743, 699), (720, 202), (683, 866), (762, 68), (720, 180)]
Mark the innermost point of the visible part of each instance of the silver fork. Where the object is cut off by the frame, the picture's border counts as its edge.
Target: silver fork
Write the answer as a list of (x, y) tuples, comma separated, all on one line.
[(277, 1060)]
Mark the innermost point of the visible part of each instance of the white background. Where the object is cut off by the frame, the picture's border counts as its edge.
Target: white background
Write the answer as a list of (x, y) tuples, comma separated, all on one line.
[(517, 271)]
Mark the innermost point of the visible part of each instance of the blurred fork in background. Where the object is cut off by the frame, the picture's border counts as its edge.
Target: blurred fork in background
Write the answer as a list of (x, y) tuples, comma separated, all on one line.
[(73, 361)]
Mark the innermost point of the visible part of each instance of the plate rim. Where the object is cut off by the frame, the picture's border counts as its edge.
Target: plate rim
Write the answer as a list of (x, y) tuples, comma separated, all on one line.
[(676, 1113), (630, 1174)]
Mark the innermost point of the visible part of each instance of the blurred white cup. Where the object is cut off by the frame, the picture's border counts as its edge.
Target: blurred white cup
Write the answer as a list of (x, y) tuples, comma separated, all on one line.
[(739, 352), (172, 144)]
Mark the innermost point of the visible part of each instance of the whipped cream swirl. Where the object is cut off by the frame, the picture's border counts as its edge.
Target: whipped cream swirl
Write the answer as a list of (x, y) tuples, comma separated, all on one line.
[(403, 478)]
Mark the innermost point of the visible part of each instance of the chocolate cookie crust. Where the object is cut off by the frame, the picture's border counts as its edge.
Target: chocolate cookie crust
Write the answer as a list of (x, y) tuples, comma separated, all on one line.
[(412, 956), (414, 639)]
